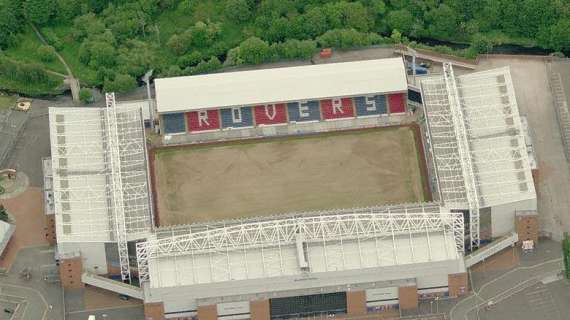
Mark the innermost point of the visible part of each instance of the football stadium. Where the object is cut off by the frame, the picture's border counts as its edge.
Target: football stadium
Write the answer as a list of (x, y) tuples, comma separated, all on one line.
[(325, 181)]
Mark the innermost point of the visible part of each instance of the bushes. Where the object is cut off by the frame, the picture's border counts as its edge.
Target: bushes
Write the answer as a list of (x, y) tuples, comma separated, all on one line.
[(349, 38), (255, 51), (24, 72), (46, 53), (85, 95), (237, 10), (294, 49), (27, 78), (212, 64), (120, 83)]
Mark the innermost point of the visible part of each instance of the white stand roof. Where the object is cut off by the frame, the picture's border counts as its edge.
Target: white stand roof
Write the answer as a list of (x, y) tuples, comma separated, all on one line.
[(276, 85)]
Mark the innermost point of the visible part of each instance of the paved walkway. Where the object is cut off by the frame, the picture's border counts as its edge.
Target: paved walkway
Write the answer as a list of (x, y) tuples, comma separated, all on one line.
[(503, 287)]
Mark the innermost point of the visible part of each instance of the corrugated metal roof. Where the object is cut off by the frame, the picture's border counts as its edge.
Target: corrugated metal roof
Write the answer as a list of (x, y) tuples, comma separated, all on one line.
[(280, 85)]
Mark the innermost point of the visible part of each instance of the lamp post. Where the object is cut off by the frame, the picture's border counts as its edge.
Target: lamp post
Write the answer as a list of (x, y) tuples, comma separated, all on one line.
[(146, 79)]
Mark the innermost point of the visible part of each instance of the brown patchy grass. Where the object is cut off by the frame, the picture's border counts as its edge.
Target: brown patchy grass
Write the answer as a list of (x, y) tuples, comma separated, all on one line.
[(254, 178)]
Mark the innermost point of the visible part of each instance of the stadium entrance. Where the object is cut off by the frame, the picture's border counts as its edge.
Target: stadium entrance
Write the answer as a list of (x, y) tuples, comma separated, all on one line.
[(308, 306)]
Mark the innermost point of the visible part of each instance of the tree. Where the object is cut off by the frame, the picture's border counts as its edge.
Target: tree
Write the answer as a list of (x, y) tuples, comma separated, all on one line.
[(481, 44), (4, 214), (237, 10), (557, 36), (294, 49), (39, 11), (10, 14), (190, 59), (121, 83), (254, 51), (85, 95), (401, 20), (347, 15), (67, 10), (348, 38), (314, 22), (86, 25), (102, 54), (443, 22), (46, 53), (136, 57), (206, 66)]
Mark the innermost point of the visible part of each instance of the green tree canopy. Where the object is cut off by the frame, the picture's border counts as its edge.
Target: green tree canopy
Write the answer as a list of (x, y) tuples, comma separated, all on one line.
[(254, 51), (237, 10), (401, 20), (10, 24), (121, 83), (39, 11)]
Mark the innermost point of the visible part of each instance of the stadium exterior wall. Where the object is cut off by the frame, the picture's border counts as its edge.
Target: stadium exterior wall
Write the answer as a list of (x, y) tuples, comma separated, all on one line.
[(93, 254), (430, 278), (503, 216)]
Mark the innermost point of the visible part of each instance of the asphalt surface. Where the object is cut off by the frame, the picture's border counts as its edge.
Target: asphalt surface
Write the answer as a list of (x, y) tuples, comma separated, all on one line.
[(35, 298)]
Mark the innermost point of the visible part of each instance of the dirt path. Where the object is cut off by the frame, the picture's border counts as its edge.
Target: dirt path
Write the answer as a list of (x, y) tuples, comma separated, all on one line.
[(70, 78)]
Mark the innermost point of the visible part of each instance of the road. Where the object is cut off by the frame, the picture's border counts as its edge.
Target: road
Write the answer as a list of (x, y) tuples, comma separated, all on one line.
[(503, 287)]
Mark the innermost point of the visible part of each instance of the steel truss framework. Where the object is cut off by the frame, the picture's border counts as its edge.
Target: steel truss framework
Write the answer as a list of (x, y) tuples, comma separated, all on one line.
[(315, 228), (476, 139), (100, 176), (117, 185)]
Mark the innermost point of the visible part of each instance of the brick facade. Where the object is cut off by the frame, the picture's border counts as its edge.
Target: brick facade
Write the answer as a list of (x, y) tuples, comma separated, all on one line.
[(527, 227), (154, 311), (458, 284), (50, 229), (70, 273), (355, 303), (209, 312), (408, 297), (259, 310)]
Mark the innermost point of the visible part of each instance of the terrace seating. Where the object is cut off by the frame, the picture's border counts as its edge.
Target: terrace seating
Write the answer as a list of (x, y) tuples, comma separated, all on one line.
[(238, 117), (337, 108), (173, 123), (304, 111), (270, 114), (370, 105), (396, 102), (203, 120)]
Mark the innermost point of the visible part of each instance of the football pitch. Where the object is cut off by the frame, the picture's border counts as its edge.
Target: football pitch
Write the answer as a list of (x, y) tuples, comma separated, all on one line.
[(284, 175)]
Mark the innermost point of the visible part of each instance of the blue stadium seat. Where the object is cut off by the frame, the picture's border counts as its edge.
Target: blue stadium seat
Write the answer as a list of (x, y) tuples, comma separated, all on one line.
[(304, 111), (237, 117), (173, 123), (370, 105)]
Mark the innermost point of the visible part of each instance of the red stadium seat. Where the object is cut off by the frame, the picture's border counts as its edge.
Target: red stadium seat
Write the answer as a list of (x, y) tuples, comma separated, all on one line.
[(270, 114), (337, 108), (203, 120), (396, 103)]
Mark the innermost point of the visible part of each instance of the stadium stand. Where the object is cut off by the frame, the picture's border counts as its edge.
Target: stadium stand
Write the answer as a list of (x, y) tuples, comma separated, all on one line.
[(370, 105), (396, 102), (270, 114), (203, 120), (304, 111), (337, 108), (239, 117), (174, 123)]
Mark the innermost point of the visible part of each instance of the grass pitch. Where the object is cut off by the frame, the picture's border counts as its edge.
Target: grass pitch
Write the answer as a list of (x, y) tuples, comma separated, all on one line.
[(254, 178)]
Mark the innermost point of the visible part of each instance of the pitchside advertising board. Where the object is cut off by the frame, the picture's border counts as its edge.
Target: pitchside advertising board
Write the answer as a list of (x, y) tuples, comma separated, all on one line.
[(283, 113)]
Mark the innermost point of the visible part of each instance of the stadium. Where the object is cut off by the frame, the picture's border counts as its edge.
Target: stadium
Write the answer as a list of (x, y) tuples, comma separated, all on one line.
[(337, 184)]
